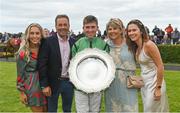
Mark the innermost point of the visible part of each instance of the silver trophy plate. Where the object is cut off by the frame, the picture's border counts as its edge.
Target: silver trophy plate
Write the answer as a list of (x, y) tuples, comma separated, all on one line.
[(92, 70)]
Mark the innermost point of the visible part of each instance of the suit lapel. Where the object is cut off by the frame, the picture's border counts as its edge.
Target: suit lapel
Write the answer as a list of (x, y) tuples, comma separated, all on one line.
[(71, 42), (56, 46)]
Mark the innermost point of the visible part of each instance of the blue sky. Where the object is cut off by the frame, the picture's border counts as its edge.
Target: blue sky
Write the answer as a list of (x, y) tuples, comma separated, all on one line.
[(15, 15)]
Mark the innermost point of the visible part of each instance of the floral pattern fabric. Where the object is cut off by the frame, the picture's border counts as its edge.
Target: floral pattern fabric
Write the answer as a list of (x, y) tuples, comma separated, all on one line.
[(28, 79), (118, 98)]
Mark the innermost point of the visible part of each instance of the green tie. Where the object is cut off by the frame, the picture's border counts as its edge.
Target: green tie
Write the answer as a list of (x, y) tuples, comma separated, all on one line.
[(90, 43)]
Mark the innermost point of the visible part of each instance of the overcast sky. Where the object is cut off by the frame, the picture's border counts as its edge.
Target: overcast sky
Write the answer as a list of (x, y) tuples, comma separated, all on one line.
[(16, 15)]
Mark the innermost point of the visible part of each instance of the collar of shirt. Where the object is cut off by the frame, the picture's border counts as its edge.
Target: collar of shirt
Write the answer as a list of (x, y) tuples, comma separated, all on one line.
[(61, 39), (90, 39)]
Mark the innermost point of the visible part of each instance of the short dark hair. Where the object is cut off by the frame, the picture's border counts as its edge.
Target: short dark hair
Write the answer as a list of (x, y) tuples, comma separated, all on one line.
[(61, 16), (90, 19)]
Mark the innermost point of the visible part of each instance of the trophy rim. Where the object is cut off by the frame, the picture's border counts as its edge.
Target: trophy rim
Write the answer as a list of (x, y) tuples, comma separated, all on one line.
[(97, 54)]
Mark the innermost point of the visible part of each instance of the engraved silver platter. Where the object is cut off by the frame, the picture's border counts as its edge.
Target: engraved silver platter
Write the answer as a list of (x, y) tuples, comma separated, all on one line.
[(92, 70)]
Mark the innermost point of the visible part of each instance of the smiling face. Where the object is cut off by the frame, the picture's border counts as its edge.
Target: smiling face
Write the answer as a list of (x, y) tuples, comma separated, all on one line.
[(134, 32), (90, 29), (62, 27), (35, 35), (114, 32), (136, 35)]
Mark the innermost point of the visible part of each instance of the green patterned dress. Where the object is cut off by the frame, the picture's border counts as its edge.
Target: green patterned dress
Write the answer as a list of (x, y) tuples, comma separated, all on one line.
[(118, 98), (28, 79)]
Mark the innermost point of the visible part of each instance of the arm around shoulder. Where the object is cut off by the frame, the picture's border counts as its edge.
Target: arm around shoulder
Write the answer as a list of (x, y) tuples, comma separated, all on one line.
[(43, 64)]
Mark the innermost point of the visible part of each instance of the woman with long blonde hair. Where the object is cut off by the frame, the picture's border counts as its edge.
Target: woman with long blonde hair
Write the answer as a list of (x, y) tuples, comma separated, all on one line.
[(27, 74)]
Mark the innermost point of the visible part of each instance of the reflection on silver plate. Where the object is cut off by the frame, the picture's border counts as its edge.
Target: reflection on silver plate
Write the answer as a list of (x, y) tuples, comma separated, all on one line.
[(92, 70)]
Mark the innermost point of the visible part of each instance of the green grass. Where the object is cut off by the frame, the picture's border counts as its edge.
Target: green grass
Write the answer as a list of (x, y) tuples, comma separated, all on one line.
[(9, 96), (172, 64)]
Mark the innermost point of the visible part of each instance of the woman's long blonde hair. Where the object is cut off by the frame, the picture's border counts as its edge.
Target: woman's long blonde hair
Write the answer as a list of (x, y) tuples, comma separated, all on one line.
[(25, 43)]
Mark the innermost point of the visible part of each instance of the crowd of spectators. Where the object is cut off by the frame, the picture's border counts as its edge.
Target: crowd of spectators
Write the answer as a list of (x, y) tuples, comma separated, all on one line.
[(166, 36), (169, 35), (6, 36)]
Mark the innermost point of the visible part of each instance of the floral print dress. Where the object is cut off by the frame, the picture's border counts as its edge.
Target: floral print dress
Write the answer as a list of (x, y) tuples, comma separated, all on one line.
[(28, 79), (118, 98)]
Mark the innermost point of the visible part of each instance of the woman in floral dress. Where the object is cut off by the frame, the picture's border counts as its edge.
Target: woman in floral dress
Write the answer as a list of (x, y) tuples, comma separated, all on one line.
[(118, 98), (27, 74)]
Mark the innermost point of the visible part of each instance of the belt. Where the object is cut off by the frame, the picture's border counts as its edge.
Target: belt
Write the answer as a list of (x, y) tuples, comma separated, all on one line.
[(125, 70), (63, 78)]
